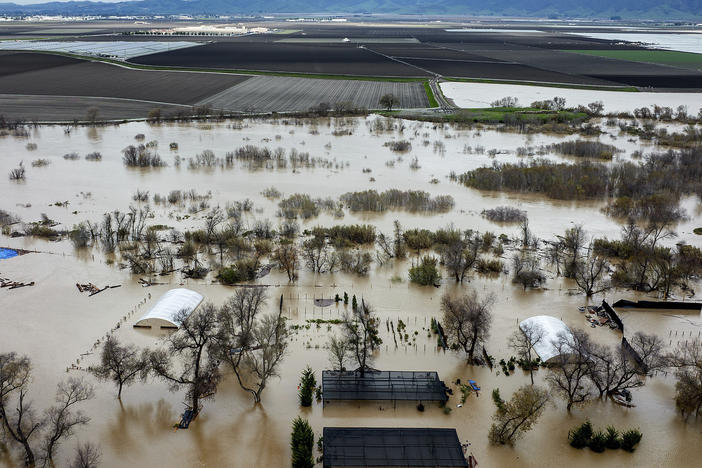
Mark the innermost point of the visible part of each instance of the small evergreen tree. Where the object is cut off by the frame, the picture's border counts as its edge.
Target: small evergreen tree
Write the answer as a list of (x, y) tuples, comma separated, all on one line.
[(630, 438), (302, 443), (308, 382)]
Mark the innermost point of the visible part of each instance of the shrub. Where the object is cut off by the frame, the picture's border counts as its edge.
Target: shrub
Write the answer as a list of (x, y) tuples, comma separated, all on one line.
[(400, 146), (40, 162), (17, 173), (71, 156), (580, 437), (141, 156), (598, 442), (94, 156), (612, 438), (630, 438), (505, 214), (425, 272), (585, 149)]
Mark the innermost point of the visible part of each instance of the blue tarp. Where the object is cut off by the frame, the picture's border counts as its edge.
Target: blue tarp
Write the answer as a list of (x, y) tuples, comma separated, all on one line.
[(7, 253)]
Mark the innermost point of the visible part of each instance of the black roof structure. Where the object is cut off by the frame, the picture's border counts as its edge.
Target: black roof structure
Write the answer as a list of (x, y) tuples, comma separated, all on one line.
[(380, 447), (383, 385)]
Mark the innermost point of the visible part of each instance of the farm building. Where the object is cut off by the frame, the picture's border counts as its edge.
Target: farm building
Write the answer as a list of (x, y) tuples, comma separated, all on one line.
[(387, 447), (382, 385), (164, 312), (552, 329)]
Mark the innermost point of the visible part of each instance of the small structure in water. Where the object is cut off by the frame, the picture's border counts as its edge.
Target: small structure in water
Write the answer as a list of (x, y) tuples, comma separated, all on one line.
[(163, 314), (382, 386), (552, 329), (378, 447)]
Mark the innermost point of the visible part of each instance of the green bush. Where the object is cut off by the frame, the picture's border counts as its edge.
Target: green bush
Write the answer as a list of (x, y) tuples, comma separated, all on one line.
[(613, 442), (598, 442), (580, 437), (630, 438), (425, 272)]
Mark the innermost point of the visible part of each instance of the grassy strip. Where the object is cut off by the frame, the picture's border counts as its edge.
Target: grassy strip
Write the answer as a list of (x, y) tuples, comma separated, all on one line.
[(136, 66), (494, 115), (627, 89), (430, 95), (661, 57)]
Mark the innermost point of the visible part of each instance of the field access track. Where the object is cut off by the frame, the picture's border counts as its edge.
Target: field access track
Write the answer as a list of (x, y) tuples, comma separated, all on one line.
[(286, 94)]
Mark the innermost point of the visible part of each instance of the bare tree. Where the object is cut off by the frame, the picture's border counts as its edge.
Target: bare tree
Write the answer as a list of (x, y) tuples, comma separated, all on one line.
[(571, 367), (22, 424), (253, 346), (572, 242), (87, 456), (339, 350), (467, 320), (195, 368), (288, 258), (686, 359), (525, 268), (61, 419), (460, 256), (518, 415), (360, 328), (523, 342), (120, 364), (317, 254), (589, 274)]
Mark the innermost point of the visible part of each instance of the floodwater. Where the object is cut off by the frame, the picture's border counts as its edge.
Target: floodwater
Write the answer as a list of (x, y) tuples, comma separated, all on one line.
[(683, 42), (481, 95), (56, 325)]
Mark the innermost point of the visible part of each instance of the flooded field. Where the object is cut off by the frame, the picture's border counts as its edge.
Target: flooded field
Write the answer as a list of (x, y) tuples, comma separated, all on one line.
[(481, 95), (58, 327)]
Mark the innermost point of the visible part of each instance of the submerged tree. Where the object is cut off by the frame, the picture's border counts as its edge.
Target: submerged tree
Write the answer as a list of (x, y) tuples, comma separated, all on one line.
[(23, 425), (523, 342), (87, 456), (570, 368), (121, 364), (467, 320), (339, 350), (360, 329), (687, 362), (252, 345), (515, 417), (186, 360)]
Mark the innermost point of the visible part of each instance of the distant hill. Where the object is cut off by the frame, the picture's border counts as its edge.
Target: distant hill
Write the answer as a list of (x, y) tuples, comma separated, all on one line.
[(602, 9)]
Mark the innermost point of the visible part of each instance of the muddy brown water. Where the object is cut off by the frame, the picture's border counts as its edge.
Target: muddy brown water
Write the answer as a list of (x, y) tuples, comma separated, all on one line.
[(55, 325)]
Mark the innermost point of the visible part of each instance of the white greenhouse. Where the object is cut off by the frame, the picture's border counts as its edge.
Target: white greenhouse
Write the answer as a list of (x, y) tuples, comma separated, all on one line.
[(164, 312), (552, 329)]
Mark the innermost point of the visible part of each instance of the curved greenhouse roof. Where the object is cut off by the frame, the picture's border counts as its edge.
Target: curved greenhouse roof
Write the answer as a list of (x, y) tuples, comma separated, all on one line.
[(552, 329), (164, 312)]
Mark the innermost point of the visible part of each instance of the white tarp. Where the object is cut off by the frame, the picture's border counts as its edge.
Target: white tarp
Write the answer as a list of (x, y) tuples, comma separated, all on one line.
[(552, 330), (163, 313)]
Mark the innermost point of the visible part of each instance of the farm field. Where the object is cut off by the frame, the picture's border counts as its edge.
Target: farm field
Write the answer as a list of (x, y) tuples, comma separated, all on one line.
[(481, 95), (273, 93), (120, 49), (82, 78), (663, 57), (68, 108), (342, 59)]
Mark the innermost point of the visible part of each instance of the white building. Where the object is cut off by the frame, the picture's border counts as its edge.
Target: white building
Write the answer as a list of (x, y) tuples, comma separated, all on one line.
[(163, 314)]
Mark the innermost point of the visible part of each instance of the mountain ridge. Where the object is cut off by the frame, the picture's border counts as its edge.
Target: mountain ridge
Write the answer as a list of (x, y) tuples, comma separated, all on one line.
[(596, 9)]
